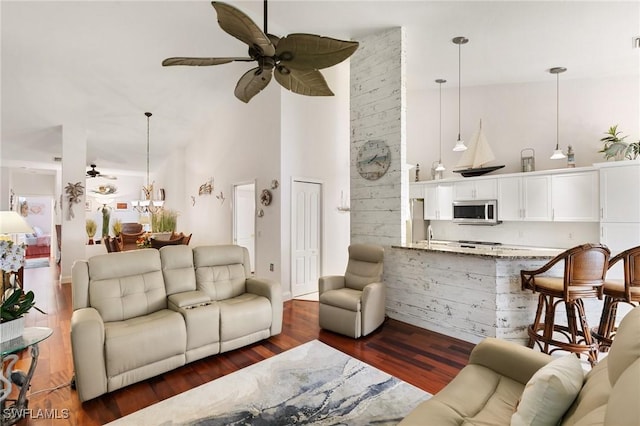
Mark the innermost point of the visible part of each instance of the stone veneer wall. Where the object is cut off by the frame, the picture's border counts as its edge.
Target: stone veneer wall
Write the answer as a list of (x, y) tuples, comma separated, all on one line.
[(379, 208), (465, 296)]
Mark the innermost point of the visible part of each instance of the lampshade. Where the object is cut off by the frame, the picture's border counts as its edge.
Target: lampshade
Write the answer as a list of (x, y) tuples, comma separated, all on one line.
[(557, 153), (460, 146), (12, 223), (440, 167)]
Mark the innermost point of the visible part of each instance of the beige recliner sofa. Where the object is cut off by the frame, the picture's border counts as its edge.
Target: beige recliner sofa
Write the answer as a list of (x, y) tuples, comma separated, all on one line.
[(140, 313), (486, 391)]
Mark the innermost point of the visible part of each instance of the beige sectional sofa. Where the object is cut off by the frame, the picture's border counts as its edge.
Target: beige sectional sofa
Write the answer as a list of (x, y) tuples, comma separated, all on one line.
[(141, 313), (487, 390)]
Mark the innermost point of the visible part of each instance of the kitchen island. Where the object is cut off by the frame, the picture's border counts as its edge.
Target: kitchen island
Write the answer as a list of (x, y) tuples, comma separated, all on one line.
[(468, 291)]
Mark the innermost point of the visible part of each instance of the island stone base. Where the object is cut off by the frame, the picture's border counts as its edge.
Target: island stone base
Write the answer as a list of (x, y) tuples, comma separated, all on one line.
[(467, 296)]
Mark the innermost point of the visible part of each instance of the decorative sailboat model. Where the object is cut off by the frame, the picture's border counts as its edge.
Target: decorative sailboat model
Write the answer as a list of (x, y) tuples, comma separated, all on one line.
[(476, 156)]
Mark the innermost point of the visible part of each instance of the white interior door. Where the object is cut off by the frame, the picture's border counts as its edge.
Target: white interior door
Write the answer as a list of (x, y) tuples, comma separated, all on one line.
[(305, 234), (244, 222)]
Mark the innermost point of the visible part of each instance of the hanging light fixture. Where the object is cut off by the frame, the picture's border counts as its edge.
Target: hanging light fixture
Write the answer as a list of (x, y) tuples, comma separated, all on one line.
[(557, 153), (460, 146), (440, 167), (149, 203)]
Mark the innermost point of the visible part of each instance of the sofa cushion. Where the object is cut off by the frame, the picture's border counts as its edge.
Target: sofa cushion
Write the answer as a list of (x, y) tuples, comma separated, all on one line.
[(221, 271), (625, 349), (143, 340), (345, 298), (554, 388), (244, 315), (624, 403), (177, 268), (589, 406), (127, 284)]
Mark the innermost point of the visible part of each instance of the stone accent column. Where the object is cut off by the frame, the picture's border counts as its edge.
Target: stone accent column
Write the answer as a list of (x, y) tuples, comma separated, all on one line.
[(379, 208)]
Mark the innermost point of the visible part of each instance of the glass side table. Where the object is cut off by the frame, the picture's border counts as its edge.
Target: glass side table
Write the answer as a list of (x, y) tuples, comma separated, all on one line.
[(14, 410)]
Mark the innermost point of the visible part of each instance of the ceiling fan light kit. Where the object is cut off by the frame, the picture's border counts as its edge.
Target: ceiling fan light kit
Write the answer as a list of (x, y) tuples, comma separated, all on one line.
[(295, 60)]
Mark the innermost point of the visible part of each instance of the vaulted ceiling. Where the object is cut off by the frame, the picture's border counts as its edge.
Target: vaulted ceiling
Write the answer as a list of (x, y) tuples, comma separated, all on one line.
[(97, 64)]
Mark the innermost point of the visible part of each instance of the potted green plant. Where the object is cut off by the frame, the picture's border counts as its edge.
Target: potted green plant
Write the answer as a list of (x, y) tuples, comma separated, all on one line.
[(15, 303), (616, 147), (117, 227), (91, 227)]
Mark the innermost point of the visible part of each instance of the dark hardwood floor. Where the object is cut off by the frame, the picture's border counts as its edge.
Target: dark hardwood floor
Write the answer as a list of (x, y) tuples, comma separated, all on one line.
[(425, 359)]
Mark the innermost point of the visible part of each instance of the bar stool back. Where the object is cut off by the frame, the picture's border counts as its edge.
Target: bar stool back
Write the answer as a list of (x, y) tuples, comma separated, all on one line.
[(585, 267), (615, 291)]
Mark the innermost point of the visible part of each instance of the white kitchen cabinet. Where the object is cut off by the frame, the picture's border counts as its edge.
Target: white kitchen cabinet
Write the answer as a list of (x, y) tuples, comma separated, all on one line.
[(620, 193), (416, 190), (620, 236), (438, 201), (524, 198), (574, 197), (485, 189)]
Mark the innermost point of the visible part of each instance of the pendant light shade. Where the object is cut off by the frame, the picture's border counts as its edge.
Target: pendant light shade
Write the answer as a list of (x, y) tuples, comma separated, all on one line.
[(460, 146), (440, 166), (557, 153)]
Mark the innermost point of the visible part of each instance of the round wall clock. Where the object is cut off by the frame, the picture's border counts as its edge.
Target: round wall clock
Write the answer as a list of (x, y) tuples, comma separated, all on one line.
[(374, 158)]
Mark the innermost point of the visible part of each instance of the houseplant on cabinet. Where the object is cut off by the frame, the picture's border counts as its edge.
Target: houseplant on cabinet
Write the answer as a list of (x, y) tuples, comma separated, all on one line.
[(91, 227), (616, 147)]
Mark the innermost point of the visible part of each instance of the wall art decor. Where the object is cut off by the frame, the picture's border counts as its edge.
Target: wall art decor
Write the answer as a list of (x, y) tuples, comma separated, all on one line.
[(221, 197), (206, 188), (74, 193), (265, 197)]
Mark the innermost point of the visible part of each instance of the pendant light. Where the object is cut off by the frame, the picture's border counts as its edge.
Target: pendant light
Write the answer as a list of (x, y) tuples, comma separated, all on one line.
[(148, 204), (440, 166), (557, 153), (460, 146)]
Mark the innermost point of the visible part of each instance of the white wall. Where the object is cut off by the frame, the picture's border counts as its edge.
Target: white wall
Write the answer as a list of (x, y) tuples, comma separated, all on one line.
[(240, 143), (518, 116), (315, 145)]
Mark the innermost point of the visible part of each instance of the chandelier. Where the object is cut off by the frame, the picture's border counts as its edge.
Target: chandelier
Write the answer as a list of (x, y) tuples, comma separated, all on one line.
[(150, 202)]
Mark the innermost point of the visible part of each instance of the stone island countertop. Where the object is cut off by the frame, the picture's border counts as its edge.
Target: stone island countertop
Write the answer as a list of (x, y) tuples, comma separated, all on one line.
[(480, 248)]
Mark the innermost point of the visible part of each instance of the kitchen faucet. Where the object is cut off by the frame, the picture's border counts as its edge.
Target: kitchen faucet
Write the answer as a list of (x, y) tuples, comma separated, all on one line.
[(429, 234)]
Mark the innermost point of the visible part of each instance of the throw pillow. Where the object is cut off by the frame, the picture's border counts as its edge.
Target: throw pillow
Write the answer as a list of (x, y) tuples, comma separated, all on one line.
[(549, 393)]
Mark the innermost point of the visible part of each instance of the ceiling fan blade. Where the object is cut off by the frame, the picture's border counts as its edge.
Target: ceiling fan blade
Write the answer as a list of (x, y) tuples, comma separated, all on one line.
[(313, 52), (303, 82), (199, 62), (239, 25), (252, 83)]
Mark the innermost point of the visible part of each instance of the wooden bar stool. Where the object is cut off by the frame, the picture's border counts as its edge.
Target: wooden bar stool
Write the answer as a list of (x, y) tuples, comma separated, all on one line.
[(585, 267), (615, 291)]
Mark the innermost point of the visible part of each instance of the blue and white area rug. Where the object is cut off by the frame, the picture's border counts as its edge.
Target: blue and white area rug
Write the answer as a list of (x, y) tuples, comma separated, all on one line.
[(310, 384)]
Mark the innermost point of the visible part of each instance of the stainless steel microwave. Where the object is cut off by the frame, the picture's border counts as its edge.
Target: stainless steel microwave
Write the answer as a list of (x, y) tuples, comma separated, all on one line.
[(476, 212)]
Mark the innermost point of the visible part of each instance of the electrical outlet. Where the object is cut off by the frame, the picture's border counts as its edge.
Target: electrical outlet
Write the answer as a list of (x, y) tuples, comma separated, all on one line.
[(571, 235), (271, 267)]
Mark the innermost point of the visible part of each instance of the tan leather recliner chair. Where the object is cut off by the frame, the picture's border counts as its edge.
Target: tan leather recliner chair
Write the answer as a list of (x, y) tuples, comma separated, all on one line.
[(354, 304)]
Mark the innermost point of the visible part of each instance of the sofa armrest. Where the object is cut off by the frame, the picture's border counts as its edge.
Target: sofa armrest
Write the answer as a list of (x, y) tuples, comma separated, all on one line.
[(508, 359), (271, 290), (330, 282), (87, 346), (374, 297), (80, 284)]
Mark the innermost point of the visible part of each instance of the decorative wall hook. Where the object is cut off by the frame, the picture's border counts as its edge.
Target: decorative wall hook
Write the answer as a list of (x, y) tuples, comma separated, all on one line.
[(275, 184), (221, 197)]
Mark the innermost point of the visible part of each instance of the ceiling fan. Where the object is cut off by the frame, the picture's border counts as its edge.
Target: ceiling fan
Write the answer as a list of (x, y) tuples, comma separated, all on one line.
[(295, 59), (93, 173)]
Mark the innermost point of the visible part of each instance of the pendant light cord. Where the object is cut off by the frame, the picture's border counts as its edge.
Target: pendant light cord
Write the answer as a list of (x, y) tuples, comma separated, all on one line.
[(459, 85), (441, 121), (557, 111), (265, 17), (148, 114)]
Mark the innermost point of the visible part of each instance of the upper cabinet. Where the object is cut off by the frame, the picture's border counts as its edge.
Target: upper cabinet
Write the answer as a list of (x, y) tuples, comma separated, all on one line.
[(574, 197), (485, 189), (524, 198), (620, 192), (438, 201), (416, 190)]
